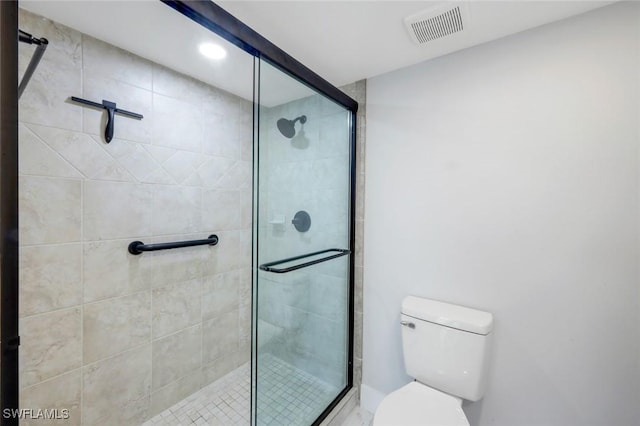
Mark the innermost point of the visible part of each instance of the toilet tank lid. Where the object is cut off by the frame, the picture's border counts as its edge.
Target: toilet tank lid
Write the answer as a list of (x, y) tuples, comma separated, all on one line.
[(454, 316)]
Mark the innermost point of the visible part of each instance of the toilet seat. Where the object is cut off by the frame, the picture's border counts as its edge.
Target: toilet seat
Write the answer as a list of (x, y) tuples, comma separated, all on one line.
[(416, 404)]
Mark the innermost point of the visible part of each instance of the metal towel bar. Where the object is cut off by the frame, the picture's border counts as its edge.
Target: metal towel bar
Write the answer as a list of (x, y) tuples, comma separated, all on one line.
[(269, 267)]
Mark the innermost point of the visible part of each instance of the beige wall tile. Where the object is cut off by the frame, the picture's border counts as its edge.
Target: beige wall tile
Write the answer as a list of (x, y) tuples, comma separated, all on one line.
[(115, 325), (358, 92), (50, 278), (110, 271), (357, 334), (168, 267), (160, 153), (49, 210), (176, 210), (58, 76), (237, 176), (50, 345), (247, 148), (218, 138), (130, 298), (216, 101), (225, 125), (182, 164), (101, 58), (244, 353), (210, 172), (226, 255), (220, 210), (116, 390), (37, 158), (113, 171), (357, 373), (176, 356), (83, 152), (176, 307), (220, 294), (359, 244), (246, 208), (116, 210), (220, 367), (246, 246), (219, 337), (60, 114), (358, 279), (328, 296), (244, 325), (160, 177), (64, 43), (60, 393), (176, 124), (245, 286), (132, 156), (173, 84), (176, 391)]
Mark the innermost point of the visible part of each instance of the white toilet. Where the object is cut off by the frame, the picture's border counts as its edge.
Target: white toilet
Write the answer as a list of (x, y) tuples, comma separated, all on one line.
[(446, 349)]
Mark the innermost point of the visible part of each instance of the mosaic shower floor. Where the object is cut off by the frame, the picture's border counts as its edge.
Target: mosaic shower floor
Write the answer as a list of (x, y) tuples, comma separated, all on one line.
[(292, 397)]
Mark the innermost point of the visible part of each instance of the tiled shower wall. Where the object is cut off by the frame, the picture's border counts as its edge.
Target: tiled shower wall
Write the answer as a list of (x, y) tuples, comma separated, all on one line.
[(112, 337), (358, 91)]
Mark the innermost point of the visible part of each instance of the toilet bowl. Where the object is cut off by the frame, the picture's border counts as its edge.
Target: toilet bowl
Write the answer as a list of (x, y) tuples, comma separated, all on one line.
[(446, 350), (417, 404)]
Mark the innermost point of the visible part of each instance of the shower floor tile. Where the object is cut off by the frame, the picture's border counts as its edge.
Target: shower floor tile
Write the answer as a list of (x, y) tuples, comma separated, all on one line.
[(288, 396), (224, 402)]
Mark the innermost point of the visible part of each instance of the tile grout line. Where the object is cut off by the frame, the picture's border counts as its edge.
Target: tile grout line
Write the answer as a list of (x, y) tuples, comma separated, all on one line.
[(82, 224)]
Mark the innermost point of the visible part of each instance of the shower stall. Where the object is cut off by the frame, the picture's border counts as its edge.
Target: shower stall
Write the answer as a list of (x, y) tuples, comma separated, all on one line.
[(186, 224)]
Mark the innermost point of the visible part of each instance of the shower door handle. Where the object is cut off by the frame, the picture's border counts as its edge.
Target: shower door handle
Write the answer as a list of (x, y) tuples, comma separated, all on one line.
[(269, 267)]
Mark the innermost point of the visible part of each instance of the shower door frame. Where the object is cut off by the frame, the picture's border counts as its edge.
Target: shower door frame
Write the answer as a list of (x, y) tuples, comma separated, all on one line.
[(221, 22), (9, 334), (207, 14)]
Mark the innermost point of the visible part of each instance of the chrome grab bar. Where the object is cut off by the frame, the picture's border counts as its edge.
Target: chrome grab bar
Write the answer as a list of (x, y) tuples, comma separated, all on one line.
[(269, 267)]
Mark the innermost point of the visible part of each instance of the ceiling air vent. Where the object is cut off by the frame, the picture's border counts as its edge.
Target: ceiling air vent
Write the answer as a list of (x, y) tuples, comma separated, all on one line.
[(437, 22)]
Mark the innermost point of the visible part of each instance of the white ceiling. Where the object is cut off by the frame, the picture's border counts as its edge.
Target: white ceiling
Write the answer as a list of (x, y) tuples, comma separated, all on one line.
[(154, 31), (345, 41), (342, 41)]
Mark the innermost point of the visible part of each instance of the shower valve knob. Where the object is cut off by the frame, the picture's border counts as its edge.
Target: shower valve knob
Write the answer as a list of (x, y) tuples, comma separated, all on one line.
[(302, 221)]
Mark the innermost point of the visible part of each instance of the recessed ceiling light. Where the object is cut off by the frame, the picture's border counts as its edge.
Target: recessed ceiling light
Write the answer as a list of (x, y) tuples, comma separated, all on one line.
[(212, 51)]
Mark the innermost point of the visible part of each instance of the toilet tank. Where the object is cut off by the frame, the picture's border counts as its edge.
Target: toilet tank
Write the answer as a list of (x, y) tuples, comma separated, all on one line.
[(447, 346)]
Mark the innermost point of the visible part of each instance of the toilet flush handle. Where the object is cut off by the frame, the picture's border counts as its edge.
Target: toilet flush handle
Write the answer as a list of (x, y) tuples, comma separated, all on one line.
[(408, 324)]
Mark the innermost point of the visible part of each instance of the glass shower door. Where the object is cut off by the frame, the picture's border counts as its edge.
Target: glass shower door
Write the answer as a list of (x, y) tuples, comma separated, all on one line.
[(302, 257)]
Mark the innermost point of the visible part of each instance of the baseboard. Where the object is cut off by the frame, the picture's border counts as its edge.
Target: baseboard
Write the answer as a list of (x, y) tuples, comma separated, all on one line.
[(370, 398)]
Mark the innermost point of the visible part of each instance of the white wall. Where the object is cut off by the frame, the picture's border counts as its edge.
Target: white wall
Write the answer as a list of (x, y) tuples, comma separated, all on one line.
[(505, 178)]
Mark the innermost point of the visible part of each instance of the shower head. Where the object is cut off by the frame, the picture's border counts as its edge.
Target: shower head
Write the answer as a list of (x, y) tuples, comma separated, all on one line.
[(287, 127)]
